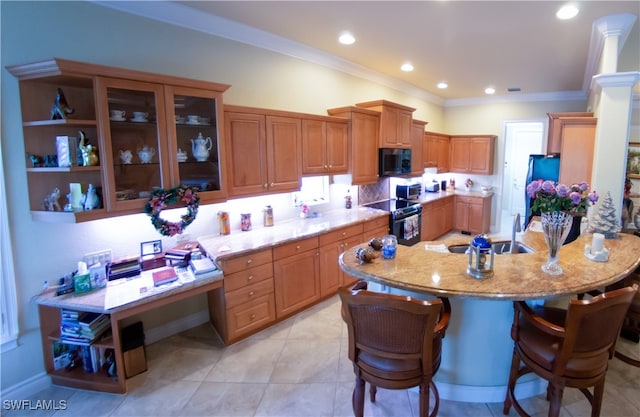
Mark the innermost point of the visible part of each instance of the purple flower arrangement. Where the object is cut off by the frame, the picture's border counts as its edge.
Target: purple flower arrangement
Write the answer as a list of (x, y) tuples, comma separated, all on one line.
[(549, 196)]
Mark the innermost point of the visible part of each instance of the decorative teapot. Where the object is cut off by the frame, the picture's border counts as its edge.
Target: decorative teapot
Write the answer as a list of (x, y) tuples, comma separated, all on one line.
[(126, 156), (146, 154), (200, 147)]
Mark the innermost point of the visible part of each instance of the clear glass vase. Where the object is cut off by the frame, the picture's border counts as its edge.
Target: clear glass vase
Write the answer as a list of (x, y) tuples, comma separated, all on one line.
[(555, 227)]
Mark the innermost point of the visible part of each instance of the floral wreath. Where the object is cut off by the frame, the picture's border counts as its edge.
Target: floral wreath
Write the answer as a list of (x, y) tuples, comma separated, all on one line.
[(160, 199)]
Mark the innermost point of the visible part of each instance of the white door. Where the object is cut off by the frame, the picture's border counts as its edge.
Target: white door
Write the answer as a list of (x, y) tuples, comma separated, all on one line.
[(522, 139)]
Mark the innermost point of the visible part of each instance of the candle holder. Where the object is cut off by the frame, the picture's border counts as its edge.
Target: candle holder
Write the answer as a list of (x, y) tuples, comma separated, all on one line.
[(479, 249), (596, 251)]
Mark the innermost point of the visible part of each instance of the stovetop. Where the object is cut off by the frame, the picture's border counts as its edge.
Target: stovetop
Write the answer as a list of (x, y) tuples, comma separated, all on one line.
[(398, 208)]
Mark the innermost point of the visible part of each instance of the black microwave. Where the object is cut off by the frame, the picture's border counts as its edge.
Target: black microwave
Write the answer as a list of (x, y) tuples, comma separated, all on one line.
[(394, 162)]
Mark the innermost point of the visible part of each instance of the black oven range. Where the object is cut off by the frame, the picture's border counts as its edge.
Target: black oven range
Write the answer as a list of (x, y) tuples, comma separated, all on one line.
[(405, 219)]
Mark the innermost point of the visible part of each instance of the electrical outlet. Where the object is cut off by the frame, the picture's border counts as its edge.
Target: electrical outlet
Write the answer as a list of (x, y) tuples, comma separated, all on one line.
[(103, 257), (183, 237)]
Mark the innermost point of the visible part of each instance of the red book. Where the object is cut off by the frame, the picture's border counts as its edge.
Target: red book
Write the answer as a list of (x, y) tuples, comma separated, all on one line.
[(164, 276)]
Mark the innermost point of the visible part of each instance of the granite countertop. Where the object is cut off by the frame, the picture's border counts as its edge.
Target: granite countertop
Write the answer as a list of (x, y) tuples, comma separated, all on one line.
[(218, 247), (430, 197), (516, 277)]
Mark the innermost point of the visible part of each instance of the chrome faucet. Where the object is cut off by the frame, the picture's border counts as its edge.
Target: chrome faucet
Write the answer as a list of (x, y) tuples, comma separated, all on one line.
[(516, 228)]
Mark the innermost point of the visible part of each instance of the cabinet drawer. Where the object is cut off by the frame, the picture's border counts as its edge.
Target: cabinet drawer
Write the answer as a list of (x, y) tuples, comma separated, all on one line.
[(248, 294), (469, 200), (232, 265), (298, 246), (341, 234), (382, 221), (247, 277), (250, 316), (379, 232)]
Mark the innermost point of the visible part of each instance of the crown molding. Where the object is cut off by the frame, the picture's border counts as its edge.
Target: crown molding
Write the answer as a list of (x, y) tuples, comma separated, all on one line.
[(614, 25), (179, 15)]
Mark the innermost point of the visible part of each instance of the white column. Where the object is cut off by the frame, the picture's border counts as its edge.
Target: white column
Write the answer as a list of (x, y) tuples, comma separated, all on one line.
[(612, 134)]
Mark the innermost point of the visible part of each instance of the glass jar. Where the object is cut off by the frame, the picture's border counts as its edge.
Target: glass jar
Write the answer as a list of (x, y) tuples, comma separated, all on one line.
[(245, 222), (267, 216), (223, 222)]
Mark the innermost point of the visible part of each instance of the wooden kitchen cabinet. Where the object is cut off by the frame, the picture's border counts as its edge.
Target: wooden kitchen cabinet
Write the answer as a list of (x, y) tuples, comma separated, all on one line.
[(377, 227), (574, 136), (364, 131), (325, 146), (557, 121), (417, 142), (395, 123), (437, 218), (246, 303), (472, 154), (296, 276), (332, 244), (264, 151), (436, 151), (472, 214), (92, 91)]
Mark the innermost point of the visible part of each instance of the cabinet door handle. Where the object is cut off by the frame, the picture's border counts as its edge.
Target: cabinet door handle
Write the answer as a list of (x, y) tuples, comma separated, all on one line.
[(250, 277), (326, 167), (265, 185), (272, 184), (251, 293), (297, 247), (253, 316), (249, 261)]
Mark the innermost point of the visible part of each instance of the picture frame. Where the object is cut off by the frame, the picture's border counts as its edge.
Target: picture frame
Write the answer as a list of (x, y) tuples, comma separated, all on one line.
[(633, 160), (150, 249)]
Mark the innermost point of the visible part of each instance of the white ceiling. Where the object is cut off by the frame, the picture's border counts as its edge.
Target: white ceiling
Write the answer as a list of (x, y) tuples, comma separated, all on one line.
[(468, 44)]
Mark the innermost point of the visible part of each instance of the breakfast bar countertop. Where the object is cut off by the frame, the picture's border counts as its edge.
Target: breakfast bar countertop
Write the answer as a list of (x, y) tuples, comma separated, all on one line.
[(428, 267), (238, 243)]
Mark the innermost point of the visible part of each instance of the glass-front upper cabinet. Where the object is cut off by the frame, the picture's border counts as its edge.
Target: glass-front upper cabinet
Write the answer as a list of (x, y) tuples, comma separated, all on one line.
[(195, 145), (134, 144)]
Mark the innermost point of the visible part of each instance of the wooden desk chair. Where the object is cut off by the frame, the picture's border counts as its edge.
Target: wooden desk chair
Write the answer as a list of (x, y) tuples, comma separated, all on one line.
[(395, 342), (568, 348)]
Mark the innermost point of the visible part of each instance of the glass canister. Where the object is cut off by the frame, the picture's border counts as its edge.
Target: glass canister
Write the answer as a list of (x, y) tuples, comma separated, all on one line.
[(223, 222), (245, 222), (267, 216)]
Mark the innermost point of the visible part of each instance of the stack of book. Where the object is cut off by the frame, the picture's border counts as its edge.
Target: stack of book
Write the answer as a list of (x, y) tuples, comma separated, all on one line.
[(82, 327), (123, 268), (78, 330), (181, 254)]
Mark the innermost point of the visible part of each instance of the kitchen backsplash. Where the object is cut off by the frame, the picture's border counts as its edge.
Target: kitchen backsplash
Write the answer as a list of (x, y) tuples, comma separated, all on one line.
[(369, 193)]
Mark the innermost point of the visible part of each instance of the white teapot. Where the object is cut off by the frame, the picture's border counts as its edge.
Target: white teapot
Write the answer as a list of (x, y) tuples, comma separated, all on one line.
[(146, 154), (126, 156), (200, 147)]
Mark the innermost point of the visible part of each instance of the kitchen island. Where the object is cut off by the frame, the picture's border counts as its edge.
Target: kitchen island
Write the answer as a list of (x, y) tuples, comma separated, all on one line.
[(477, 348)]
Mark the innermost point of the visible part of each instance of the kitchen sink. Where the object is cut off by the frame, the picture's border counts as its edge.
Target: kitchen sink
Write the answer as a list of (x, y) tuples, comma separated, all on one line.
[(500, 247)]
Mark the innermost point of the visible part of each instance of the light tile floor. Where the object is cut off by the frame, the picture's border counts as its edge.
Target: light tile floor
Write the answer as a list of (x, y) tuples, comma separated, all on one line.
[(297, 368)]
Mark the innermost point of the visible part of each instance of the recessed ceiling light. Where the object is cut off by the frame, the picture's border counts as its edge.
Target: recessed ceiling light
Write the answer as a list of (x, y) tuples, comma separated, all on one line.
[(346, 38), (442, 85), (489, 90), (567, 11), (407, 67)]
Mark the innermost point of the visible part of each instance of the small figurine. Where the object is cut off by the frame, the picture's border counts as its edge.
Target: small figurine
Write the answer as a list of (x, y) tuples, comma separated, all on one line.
[(91, 200), (50, 202), (61, 108), (88, 151), (365, 255), (36, 161)]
